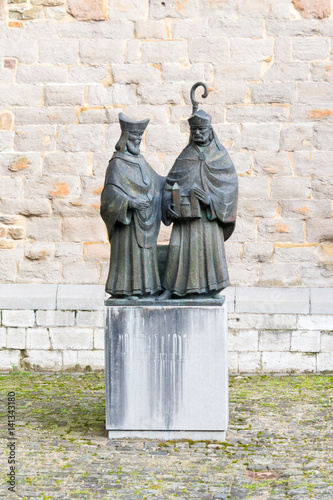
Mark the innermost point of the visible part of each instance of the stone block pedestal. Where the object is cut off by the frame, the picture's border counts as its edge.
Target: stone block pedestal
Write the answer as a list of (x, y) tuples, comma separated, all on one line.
[(166, 369)]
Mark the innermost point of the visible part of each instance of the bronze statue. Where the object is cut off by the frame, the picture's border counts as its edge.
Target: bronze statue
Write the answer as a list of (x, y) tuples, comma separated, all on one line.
[(131, 210), (200, 199)]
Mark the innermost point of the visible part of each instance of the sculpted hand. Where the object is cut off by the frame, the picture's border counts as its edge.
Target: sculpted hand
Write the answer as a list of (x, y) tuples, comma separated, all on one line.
[(202, 196), (171, 213), (139, 205)]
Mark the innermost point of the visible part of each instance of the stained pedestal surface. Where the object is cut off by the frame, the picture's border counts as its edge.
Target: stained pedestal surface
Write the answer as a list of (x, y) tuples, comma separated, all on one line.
[(166, 369)]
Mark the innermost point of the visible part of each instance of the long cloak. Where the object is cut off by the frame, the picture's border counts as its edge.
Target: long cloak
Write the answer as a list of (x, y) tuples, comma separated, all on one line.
[(196, 261), (132, 233)]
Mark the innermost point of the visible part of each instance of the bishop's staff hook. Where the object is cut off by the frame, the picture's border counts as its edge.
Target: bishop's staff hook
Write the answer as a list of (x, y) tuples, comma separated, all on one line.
[(195, 103)]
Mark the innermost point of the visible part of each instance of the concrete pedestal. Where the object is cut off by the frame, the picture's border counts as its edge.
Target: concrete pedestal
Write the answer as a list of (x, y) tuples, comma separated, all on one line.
[(166, 369)]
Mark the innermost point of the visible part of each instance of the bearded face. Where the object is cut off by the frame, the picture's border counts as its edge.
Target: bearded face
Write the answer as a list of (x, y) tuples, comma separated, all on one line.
[(133, 142)]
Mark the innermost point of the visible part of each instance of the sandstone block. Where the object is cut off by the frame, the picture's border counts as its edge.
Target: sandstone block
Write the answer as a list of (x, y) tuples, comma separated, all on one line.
[(264, 93), (264, 8), (132, 52), (256, 188), (274, 341), (309, 49), (305, 341), (278, 274), (85, 273), (319, 230), (10, 188), (234, 72), (46, 29), (323, 136), (162, 10), (91, 318), (26, 207), (77, 229), (290, 188), (159, 94), (35, 138), (245, 230), (80, 138), (51, 187), (287, 72), (243, 273), (20, 95), (259, 253), (6, 143), (183, 73), (272, 163), (321, 72), (306, 209), (322, 187), (25, 53), (18, 318), (286, 362), (43, 360), (16, 338), (35, 271), (228, 28), (38, 250), (284, 230), (168, 139), (315, 92), (242, 162), (229, 135), (220, 94), (286, 27), (250, 50), (246, 340), (41, 74), (295, 254), (58, 51), (117, 93), (324, 362), (62, 207), (311, 113), (130, 73), (86, 10), (96, 252), (152, 29), (282, 49), (96, 52), (249, 362), (233, 362), (8, 359), (127, 9), (65, 164), (63, 95), (315, 275), (21, 164), (313, 8), (26, 14), (55, 12), (246, 113), (38, 338), (43, 228), (106, 30), (208, 50), (45, 116), (162, 52), (55, 318), (71, 338), (87, 74), (68, 252), (8, 271), (2, 338), (259, 137)]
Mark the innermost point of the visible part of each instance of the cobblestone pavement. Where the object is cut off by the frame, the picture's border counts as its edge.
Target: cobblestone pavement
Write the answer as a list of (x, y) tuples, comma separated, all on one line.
[(279, 444)]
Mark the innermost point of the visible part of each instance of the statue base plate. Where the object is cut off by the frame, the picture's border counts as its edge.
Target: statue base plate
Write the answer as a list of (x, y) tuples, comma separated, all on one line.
[(166, 369)]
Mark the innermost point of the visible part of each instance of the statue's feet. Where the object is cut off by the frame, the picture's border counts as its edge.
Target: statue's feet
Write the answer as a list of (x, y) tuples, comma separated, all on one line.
[(166, 295)]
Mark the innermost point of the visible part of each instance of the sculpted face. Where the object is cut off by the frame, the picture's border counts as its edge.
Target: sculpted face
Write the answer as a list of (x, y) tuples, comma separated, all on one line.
[(202, 136), (133, 142)]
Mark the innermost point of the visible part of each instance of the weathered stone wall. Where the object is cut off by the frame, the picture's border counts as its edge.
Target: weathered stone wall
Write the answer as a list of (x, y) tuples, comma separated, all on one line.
[(68, 68), (271, 330)]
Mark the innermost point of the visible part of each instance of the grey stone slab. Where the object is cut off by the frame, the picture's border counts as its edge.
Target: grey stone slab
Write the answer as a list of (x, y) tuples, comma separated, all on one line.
[(82, 297), (28, 296), (166, 370), (272, 300), (321, 300), (167, 435)]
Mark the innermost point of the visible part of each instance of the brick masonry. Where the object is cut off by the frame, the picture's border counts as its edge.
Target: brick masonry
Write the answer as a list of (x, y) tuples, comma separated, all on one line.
[(271, 330), (66, 70)]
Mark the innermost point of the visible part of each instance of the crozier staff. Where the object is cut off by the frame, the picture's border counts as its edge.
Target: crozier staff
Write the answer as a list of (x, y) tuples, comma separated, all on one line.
[(200, 199), (131, 210)]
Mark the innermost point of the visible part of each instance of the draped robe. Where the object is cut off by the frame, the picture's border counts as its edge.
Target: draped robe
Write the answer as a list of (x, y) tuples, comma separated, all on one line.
[(132, 232), (196, 261)]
